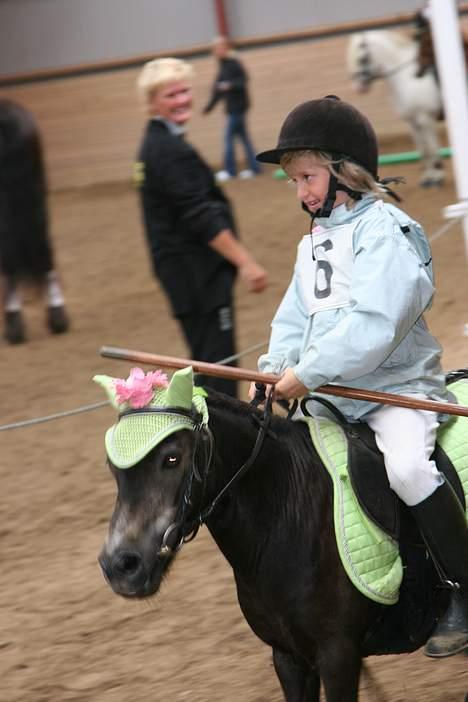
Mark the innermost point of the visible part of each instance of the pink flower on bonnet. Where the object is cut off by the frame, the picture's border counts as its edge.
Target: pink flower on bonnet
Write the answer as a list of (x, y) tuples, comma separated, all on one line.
[(139, 387)]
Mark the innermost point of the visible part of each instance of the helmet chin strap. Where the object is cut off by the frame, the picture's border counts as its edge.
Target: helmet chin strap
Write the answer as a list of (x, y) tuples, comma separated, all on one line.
[(333, 186), (327, 207)]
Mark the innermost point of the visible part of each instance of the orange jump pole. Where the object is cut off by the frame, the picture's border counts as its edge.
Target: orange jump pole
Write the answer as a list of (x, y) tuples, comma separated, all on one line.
[(220, 371)]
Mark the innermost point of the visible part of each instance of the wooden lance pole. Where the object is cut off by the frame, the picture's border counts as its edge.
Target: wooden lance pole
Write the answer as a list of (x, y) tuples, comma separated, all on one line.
[(220, 371)]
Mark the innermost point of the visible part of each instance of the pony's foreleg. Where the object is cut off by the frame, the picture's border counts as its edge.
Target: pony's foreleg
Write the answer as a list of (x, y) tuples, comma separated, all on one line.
[(340, 668), (425, 137), (14, 323), (57, 318), (299, 683)]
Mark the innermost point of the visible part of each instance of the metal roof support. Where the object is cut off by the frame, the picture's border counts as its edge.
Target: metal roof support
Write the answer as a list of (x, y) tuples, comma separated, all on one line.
[(223, 28)]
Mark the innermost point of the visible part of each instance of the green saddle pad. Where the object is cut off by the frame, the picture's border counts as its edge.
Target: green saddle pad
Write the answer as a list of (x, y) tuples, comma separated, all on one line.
[(370, 557)]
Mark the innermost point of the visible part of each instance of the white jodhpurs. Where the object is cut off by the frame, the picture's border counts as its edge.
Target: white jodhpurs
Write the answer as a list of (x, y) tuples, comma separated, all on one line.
[(406, 438)]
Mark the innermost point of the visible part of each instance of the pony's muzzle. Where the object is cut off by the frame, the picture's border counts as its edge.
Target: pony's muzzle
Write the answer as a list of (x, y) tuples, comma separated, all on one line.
[(125, 572)]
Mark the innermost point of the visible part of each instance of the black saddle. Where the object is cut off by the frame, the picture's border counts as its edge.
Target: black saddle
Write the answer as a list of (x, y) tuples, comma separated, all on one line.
[(369, 478)]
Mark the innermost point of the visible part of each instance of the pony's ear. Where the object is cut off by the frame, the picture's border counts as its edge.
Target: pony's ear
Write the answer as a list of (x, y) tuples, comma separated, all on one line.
[(106, 382), (180, 390)]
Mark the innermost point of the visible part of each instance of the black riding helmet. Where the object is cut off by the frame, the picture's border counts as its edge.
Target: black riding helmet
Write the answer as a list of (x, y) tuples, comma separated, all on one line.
[(332, 125)]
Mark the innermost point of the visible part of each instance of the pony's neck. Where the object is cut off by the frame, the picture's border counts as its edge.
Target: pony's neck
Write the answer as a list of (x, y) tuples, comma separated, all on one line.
[(392, 55), (264, 507), (235, 433)]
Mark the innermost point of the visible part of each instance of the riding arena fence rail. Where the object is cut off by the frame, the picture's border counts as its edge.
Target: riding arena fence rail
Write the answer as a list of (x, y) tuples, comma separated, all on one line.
[(199, 50)]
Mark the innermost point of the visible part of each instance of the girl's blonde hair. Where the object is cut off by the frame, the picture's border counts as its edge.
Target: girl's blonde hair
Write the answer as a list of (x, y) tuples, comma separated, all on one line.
[(158, 72), (351, 174)]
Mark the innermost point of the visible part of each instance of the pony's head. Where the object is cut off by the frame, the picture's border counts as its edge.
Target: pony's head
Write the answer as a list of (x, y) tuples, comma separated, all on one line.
[(150, 452), (373, 55), (361, 63)]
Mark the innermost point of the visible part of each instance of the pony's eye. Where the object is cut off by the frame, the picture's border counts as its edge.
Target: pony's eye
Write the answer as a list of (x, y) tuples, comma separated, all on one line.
[(171, 461)]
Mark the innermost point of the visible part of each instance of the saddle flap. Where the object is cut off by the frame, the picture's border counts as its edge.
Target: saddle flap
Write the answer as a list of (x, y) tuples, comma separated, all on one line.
[(369, 480)]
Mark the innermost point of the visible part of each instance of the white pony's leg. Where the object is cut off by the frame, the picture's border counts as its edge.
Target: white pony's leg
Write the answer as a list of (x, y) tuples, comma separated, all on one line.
[(424, 130)]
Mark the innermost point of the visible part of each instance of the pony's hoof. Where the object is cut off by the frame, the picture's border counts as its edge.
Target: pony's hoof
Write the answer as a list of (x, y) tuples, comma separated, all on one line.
[(57, 319), (433, 177), (431, 183), (14, 327)]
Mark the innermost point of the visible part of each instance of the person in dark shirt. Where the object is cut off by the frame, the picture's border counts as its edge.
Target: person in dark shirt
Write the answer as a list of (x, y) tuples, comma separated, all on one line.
[(230, 85), (189, 222)]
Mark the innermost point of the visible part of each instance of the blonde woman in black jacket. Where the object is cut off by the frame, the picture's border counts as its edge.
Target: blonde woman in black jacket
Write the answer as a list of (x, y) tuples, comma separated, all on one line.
[(189, 223)]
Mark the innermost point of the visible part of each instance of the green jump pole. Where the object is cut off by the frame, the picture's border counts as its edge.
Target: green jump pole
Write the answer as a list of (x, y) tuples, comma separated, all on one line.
[(386, 159), (408, 156)]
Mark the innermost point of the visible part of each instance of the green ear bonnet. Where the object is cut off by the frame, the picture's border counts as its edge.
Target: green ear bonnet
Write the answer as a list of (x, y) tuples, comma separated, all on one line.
[(143, 423)]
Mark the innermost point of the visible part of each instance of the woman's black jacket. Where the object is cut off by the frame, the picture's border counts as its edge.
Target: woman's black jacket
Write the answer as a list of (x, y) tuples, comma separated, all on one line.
[(183, 209)]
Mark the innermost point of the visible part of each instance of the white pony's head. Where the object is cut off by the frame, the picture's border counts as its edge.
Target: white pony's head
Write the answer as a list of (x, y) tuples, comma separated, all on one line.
[(373, 55)]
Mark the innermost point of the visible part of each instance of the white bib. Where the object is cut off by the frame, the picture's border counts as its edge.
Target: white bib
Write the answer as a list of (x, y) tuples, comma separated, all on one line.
[(325, 271)]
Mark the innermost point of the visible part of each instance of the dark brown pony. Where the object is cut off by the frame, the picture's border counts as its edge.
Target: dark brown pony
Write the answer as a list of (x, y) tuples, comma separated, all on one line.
[(259, 485), (25, 248)]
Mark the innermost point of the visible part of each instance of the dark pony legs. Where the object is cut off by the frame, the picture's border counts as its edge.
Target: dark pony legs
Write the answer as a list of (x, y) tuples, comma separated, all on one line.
[(26, 254), (301, 683)]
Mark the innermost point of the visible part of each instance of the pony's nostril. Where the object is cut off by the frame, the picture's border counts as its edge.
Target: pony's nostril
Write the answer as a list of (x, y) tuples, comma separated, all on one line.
[(105, 567), (126, 563)]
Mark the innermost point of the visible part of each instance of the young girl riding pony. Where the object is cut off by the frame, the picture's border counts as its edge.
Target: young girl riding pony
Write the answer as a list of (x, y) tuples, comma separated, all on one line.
[(353, 315)]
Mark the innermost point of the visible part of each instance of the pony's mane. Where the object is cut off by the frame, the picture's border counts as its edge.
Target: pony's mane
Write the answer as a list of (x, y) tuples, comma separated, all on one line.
[(291, 437), (372, 41), (401, 39), (398, 39), (293, 465), (239, 408)]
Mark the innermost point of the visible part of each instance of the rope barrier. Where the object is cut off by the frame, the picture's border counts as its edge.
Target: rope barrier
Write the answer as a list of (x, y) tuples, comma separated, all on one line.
[(98, 405), (56, 415)]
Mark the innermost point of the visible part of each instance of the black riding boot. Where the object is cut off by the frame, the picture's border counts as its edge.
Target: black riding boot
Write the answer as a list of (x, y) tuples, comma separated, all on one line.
[(442, 523)]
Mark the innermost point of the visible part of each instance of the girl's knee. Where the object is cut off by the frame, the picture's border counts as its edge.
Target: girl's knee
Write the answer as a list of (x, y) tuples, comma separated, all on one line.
[(413, 481)]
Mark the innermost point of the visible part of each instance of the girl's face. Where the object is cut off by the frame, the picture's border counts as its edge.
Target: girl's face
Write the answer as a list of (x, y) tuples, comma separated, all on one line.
[(311, 180), (173, 101)]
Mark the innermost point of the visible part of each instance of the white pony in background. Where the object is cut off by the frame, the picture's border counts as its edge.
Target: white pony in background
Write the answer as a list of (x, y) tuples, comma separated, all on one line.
[(416, 99)]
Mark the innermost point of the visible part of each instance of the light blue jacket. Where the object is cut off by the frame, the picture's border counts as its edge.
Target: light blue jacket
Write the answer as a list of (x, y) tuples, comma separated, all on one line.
[(353, 312)]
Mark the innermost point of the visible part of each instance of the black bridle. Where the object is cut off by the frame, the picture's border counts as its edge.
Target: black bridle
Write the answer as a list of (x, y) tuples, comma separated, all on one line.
[(183, 528), (365, 74)]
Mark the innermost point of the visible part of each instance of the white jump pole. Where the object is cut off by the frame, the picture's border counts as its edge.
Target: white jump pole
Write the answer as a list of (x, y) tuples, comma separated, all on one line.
[(446, 35)]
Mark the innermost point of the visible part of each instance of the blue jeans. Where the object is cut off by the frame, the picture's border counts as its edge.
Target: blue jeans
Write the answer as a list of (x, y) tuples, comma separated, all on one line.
[(236, 127)]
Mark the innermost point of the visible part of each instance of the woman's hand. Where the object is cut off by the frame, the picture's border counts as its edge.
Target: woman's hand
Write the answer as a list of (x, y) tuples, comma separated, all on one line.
[(289, 387), (254, 276)]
